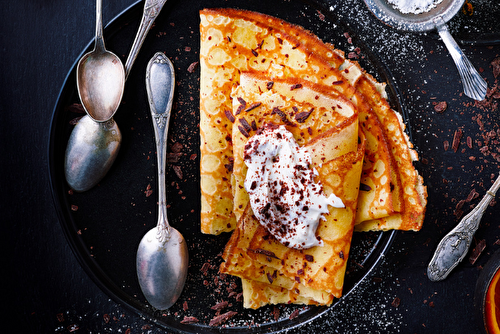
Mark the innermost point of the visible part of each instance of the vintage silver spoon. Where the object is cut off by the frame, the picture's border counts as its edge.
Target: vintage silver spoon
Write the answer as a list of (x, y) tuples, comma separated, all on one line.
[(93, 146), (100, 77), (454, 246), (473, 84), (162, 256)]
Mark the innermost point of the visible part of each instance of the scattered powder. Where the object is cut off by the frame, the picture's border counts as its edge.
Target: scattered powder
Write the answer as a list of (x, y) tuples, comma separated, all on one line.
[(414, 6), (389, 45), (367, 309)]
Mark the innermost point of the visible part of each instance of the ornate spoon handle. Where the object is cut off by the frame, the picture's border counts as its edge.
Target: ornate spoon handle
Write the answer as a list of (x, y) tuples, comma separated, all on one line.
[(454, 246), (151, 10), (160, 83), (474, 84)]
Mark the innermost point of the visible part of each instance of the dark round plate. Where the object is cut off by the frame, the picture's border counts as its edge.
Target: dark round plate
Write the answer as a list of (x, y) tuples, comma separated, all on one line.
[(483, 283), (105, 224)]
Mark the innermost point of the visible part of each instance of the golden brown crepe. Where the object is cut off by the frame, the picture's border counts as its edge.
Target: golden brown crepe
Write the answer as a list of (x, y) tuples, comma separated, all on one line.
[(392, 196), (230, 45), (319, 118), (326, 124), (396, 198), (233, 41), (257, 294), (414, 193), (316, 273)]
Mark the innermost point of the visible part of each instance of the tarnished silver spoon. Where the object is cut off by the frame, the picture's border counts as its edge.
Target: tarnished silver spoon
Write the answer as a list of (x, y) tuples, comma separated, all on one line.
[(93, 146), (162, 255), (100, 77), (455, 245)]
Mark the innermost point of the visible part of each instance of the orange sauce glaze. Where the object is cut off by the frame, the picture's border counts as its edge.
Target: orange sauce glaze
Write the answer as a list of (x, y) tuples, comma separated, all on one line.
[(492, 305)]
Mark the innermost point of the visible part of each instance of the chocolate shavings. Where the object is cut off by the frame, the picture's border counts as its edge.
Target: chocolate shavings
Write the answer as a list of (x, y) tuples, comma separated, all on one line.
[(456, 139), (302, 116), (220, 306), (189, 320), (242, 105), (243, 131), (477, 251), (263, 252), (245, 124), (440, 107), (192, 67), (216, 321), (253, 106), (229, 115), (364, 187)]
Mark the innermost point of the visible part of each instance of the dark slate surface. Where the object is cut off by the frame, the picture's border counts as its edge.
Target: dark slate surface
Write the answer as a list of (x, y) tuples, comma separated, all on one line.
[(47, 291)]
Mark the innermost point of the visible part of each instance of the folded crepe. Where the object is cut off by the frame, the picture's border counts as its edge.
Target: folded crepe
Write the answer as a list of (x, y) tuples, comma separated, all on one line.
[(317, 273), (233, 41), (393, 195), (319, 118), (257, 294), (229, 46), (326, 124)]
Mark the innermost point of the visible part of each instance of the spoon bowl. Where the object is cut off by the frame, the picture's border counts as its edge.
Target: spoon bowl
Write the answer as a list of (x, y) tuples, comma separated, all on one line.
[(100, 77), (162, 255), (161, 267), (88, 159), (95, 146), (100, 82)]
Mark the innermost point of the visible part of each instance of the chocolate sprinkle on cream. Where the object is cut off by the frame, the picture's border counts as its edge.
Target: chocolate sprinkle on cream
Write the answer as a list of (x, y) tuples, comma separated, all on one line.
[(284, 196)]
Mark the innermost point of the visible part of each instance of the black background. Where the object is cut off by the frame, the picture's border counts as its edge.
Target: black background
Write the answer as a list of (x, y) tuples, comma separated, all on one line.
[(46, 289)]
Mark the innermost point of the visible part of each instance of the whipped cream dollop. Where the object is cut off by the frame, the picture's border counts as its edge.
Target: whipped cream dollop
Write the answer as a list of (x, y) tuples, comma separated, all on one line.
[(280, 182)]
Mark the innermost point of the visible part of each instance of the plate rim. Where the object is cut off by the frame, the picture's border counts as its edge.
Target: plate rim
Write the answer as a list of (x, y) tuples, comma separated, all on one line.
[(98, 274)]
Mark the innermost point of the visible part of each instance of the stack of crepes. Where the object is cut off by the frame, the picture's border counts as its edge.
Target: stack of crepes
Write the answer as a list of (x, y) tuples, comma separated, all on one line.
[(256, 70)]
